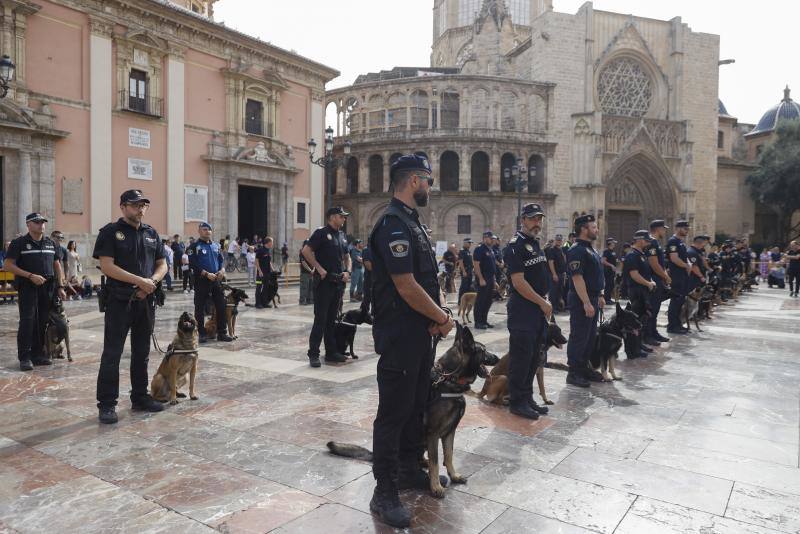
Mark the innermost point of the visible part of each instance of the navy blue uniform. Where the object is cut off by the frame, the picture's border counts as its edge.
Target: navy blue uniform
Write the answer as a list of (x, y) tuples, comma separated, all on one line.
[(466, 279), (609, 274), (527, 326), (584, 260), (264, 259), (680, 281), (695, 257), (498, 260), (330, 247), (37, 257), (207, 256), (654, 249), (135, 250), (485, 258), (366, 256), (556, 292), (639, 295), (399, 245), (727, 261)]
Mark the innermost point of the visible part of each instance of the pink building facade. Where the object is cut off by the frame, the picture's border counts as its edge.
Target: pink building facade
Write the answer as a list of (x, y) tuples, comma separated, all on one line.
[(109, 95)]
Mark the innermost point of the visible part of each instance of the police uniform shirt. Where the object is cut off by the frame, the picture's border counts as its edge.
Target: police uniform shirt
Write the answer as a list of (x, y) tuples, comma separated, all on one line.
[(793, 261), (135, 250), (264, 259), (485, 258), (636, 261), (611, 257), (727, 261), (557, 255), (498, 256), (713, 258), (694, 256), (677, 246), (583, 259), (653, 248), (329, 247), (37, 257), (450, 257), (466, 259), (523, 255), (205, 256)]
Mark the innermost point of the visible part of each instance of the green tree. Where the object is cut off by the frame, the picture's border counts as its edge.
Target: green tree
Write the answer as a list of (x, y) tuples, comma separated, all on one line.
[(776, 182)]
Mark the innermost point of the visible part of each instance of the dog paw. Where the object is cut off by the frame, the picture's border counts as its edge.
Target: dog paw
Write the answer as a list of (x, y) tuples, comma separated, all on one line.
[(458, 479), (173, 402), (181, 395), (548, 402), (437, 491), (194, 397), (617, 378)]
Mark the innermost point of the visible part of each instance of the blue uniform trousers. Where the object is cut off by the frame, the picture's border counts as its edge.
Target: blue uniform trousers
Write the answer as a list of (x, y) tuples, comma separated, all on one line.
[(656, 297), (582, 331), (555, 293), (523, 354), (483, 302), (680, 285)]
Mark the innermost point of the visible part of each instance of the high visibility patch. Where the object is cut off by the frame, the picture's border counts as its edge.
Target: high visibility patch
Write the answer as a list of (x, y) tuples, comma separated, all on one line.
[(120, 236), (28, 246), (330, 236), (574, 265), (399, 248)]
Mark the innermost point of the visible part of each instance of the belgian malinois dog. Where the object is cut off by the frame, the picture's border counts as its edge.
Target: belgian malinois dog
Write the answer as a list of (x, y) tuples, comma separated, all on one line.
[(466, 304), (180, 360), (56, 331), (232, 300), (610, 336), (451, 377)]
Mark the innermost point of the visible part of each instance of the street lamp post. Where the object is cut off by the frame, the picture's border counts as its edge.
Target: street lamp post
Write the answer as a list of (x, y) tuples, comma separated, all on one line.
[(328, 162), (6, 74), (516, 176)]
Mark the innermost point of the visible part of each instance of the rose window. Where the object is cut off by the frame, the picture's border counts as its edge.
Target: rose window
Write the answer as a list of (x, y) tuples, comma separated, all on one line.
[(624, 88)]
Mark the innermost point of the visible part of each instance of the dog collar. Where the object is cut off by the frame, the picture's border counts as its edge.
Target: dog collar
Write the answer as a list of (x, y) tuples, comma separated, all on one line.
[(451, 395)]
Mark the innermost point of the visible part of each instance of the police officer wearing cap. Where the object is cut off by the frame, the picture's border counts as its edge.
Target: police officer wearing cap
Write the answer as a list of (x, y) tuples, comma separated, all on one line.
[(656, 259), (208, 270), (584, 301), (695, 256), (637, 277), (727, 260), (485, 269), (609, 261), (407, 315), (466, 267), (34, 259), (528, 311), (557, 263), (326, 252), (679, 271), (131, 257)]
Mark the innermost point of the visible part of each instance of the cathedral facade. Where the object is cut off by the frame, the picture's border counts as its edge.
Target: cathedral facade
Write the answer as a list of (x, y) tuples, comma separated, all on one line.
[(592, 112)]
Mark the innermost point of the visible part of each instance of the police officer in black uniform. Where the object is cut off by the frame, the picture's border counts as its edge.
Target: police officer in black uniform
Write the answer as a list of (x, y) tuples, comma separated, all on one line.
[(637, 277), (408, 314), (557, 263), (485, 268), (35, 262), (466, 268), (528, 311), (264, 270), (326, 252), (727, 261), (679, 271), (132, 259), (695, 256), (655, 257), (208, 270), (584, 301), (609, 261)]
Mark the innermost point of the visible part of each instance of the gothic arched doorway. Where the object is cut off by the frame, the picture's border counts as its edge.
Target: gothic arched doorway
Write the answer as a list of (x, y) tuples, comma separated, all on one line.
[(638, 191)]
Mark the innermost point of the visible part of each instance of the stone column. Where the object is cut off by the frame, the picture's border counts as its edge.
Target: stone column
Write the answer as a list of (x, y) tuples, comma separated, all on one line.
[(233, 208), (101, 102), (465, 172), (175, 142), (363, 174), (25, 194), (386, 168), (494, 171)]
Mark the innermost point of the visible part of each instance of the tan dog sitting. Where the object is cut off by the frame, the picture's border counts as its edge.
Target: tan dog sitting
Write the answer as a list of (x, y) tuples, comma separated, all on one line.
[(180, 360), (465, 305)]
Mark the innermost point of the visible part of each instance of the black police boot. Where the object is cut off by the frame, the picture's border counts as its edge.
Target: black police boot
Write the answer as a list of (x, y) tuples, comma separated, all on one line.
[(643, 354), (662, 339), (313, 360), (203, 338), (108, 415), (25, 365), (224, 337), (541, 410), (146, 404), (577, 379), (41, 361), (646, 349), (680, 330), (652, 342), (335, 358), (523, 409), (412, 476), (386, 505), (487, 325)]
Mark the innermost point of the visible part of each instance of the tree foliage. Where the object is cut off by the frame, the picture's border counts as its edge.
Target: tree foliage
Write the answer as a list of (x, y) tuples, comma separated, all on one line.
[(776, 182)]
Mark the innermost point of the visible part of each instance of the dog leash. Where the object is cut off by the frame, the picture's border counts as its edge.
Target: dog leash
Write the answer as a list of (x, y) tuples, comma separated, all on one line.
[(151, 323)]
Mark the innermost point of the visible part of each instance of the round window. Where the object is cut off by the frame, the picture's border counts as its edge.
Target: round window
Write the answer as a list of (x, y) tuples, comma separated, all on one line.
[(624, 88)]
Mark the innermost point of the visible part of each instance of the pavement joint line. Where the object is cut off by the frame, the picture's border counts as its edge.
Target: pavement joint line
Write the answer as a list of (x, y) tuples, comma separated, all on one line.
[(621, 519)]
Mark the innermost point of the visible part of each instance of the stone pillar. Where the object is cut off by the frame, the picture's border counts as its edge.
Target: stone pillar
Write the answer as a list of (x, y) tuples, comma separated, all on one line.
[(494, 171), (25, 195), (232, 217), (386, 168), (175, 142), (363, 174), (465, 172), (101, 102)]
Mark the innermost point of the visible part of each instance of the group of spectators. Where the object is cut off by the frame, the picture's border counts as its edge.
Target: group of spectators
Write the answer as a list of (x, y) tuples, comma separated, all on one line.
[(776, 267)]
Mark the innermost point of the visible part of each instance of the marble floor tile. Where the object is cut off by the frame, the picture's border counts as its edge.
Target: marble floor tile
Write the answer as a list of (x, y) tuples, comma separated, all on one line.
[(269, 513), (505, 446), (23, 470), (514, 521), (335, 519), (605, 441), (768, 508)]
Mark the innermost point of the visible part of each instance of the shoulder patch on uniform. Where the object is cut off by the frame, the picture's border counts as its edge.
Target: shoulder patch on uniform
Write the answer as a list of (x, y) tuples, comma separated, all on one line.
[(512, 240), (330, 236), (673, 248), (529, 247), (653, 251), (189, 251), (120, 236), (399, 248), (574, 265)]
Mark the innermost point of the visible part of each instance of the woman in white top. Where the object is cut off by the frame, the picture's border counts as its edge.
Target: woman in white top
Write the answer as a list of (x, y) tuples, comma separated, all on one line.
[(73, 260)]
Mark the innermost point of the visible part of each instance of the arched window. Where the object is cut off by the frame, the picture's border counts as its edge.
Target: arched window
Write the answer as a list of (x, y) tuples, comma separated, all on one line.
[(352, 175), (450, 109), (479, 171), (624, 88), (535, 174), (507, 162), (448, 171), (396, 115), (419, 110), (377, 115), (376, 174), (352, 119)]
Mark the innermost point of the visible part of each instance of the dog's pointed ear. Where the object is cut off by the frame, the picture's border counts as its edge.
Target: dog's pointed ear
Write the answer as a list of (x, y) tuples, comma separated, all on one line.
[(552, 318), (628, 307), (619, 308), (467, 341)]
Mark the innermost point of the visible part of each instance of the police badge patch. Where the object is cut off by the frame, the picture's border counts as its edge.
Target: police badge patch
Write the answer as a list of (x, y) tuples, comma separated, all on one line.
[(399, 248), (529, 247), (120, 236), (330, 236), (673, 248), (574, 265)]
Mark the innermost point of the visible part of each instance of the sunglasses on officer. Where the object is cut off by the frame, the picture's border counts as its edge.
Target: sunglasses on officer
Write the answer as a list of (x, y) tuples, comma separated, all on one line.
[(427, 177), (138, 205)]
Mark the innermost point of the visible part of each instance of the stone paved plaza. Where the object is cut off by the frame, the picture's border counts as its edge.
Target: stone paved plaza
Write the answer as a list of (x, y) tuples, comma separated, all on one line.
[(702, 437)]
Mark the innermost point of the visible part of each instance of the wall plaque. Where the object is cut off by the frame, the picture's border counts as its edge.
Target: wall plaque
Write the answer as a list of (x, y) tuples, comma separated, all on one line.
[(138, 138), (71, 195), (195, 203), (140, 169)]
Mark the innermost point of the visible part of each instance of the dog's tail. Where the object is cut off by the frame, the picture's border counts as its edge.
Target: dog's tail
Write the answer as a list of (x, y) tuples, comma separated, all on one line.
[(349, 451), (556, 365)]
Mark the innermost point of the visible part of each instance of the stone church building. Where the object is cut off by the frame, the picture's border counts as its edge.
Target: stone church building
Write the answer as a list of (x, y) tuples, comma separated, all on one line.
[(596, 112)]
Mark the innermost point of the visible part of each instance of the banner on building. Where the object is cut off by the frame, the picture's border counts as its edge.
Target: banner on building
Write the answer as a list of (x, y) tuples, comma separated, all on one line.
[(195, 203), (140, 169)]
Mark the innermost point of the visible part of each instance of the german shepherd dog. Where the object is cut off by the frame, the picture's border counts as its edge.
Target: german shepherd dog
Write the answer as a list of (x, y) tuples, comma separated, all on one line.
[(466, 304), (690, 311), (56, 331), (272, 296), (233, 298), (610, 336), (495, 387), (451, 377), (344, 330), (180, 359)]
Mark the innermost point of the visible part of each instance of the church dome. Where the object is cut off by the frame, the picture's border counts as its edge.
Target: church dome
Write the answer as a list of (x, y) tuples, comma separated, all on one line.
[(787, 109)]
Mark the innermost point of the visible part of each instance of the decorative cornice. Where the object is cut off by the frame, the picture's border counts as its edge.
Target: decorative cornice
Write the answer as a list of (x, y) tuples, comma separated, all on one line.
[(101, 26)]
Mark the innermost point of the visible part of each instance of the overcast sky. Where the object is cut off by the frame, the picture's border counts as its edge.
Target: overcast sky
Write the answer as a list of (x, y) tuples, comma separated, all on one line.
[(359, 36)]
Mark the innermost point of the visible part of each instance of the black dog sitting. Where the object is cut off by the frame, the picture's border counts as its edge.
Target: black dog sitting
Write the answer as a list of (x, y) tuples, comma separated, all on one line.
[(56, 331), (609, 339), (344, 330), (271, 296)]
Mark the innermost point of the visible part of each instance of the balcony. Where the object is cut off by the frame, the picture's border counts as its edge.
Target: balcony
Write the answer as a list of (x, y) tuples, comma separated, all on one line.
[(148, 105), (254, 126), (536, 135)]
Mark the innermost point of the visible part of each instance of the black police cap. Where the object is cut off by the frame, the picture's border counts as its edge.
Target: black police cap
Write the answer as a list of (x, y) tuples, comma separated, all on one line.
[(704, 236), (205, 225), (336, 210), (641, 234), (35, 217), (531, 210), (467, 240), (409, 162), (682, 224), (658, 223), (488, 233), (133, 195), (583, 219), (610, 240), (700, 238)]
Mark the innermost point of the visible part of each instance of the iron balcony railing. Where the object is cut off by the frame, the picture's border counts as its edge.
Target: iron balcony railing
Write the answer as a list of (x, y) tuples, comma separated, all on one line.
[(147, 105)]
